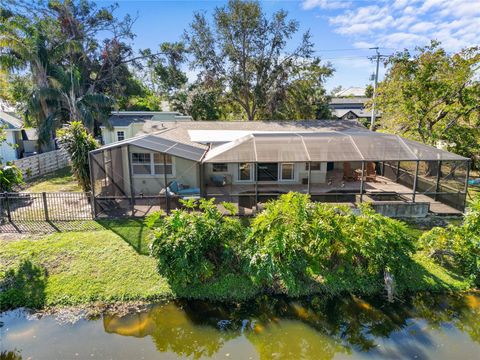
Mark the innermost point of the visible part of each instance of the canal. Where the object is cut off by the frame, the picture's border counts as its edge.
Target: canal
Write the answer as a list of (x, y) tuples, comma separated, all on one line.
[(423, 326)]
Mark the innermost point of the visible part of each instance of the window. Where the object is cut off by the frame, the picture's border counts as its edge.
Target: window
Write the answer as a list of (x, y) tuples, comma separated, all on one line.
[(141, 163), (244, 171), (151, 164), (287, 171), (222, 167), (315, 166), (160, 167), (120, 135)]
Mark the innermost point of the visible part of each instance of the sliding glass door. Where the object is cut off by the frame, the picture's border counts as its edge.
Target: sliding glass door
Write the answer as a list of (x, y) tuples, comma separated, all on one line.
[(267, 172)]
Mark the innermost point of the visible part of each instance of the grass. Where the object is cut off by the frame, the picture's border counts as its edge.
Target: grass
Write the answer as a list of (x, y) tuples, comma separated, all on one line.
[(111, 264), (61, 180), (75, 268)]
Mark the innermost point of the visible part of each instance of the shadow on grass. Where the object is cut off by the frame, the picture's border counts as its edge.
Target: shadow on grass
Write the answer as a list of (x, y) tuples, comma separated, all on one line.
[(24, 286), (132, 231), (48, 227)]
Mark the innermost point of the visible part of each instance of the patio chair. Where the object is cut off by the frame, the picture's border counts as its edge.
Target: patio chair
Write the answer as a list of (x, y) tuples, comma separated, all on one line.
[(181, 190), (371, 172), (348, 173)]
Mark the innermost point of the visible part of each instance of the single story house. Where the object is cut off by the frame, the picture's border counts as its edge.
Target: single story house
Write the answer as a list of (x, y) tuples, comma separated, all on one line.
[(250, 162), (126, 124)]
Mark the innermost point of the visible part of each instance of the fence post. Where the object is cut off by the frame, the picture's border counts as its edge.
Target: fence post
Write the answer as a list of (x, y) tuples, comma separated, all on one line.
[(45, 206), (7, 206)]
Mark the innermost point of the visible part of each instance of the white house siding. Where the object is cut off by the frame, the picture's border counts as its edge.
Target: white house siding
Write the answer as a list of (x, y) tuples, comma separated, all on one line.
[(185, 171), (7, 152)]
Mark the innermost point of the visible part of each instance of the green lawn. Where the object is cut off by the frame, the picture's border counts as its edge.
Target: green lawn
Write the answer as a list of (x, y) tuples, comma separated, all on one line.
[(74, 268), (58, 181), (111, 264)]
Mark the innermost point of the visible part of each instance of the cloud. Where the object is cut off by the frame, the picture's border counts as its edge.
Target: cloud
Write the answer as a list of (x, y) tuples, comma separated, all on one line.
[(325, 4), (406, 23)]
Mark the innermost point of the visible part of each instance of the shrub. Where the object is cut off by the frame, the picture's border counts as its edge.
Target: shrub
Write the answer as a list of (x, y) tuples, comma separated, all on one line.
[(78, 143), (10, 176), (277, 242), (380, 244), (193, 246), (294, 238), (457, 247)]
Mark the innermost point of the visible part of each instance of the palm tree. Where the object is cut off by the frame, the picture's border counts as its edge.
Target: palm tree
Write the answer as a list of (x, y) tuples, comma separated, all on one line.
[(71, 102), (22, 47)]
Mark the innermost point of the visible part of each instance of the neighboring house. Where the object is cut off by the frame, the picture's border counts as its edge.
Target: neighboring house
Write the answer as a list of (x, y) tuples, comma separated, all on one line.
[(349, 104), (11, 148), (349, 108), (126, 124), (248, 162)]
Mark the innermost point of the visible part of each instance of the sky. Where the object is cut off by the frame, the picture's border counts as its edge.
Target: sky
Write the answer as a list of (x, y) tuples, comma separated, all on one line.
[(342, 30)]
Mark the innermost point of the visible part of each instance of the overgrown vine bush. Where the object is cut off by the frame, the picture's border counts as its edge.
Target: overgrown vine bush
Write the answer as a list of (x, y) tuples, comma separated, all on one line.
[(294, 241), (295, 238), (457, 247), (193, 246)]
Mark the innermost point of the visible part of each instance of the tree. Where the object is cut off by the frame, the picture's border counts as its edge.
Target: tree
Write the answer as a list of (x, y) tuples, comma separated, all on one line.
[(24, 48), (200, 103), (65, 91), (336, 90), (78, 142), (369, 91), (305, 97), (245, 52), (49, 39), (432, 96)]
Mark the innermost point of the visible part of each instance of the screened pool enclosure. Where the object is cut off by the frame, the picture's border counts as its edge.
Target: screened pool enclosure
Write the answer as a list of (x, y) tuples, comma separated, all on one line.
[(396, 175)]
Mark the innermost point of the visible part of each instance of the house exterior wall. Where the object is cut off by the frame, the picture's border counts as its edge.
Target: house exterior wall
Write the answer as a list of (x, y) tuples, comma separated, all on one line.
[(110, 135), (186, 172), (300, 172), (7, 152)]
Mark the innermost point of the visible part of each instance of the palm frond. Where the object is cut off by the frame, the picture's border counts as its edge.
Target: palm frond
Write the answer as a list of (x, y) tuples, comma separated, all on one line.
[(50, 94), (97, 99)]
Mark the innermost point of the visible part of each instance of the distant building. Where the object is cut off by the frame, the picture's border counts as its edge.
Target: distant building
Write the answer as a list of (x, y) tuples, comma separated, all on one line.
[(20, 142), (352, 92), (126, 124), (349, 104), (11, 148)]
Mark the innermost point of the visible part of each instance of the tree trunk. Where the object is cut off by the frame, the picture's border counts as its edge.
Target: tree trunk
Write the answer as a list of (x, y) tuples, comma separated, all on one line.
[(432, 168)]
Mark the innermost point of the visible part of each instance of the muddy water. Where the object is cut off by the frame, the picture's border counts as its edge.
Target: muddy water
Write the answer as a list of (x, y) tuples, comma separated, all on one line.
[(420, 327)]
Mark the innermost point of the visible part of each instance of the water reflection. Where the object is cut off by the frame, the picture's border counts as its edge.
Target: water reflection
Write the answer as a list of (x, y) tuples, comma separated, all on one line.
[(421, 326)]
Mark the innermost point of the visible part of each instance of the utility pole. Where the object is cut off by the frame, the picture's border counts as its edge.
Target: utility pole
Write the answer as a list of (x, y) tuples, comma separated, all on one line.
[(372, 120)]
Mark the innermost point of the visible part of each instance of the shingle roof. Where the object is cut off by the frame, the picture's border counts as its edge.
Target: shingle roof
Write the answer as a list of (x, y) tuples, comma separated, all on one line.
[(180, 131), (125, 118), (352, 91), (348, 100), (10, 120), (285, 141), (361, 113)]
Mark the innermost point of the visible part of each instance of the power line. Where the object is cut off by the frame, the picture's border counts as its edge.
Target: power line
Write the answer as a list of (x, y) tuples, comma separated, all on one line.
[(351, 49)]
